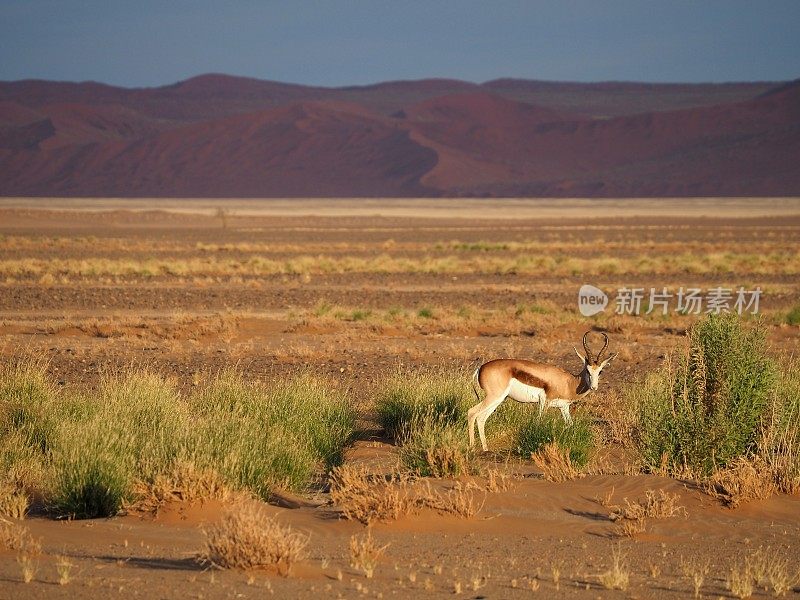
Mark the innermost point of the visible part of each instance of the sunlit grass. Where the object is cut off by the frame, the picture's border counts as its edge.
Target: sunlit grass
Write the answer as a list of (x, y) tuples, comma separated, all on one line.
[(83, 454)]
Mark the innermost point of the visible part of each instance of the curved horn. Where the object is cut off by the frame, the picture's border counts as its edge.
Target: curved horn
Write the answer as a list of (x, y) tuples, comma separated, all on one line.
[(605, 345), (586, 346)]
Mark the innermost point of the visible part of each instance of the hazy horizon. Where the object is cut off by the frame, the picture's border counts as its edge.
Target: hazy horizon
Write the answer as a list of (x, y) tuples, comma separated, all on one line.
[(150, 44)]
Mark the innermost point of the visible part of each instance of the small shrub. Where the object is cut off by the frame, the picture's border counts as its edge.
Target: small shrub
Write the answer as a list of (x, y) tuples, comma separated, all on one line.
[(779, 446), (655, 505), (425, 313), (247, 538), (366, 498), (538, 431), (632, 516), (27, 398), (459, 500)]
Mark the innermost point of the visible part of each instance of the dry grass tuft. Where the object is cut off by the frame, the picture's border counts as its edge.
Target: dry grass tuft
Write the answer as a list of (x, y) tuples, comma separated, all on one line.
[(740, 582), (13, 501), (14, 536), (186, 483), (655, 505), (746, 479), (498, 481), (64, 569), (696, 571), (247, 538), (555, 463), (764, 569), (365, 498), (618, 576), (365, 553), (459, 500)]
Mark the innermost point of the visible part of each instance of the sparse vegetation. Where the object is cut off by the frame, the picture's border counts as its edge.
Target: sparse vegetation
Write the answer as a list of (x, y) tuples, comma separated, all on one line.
[(426, 413), (555, 463), (248, 538), (762, 568), (725, 412), (282, 297), (366, 498)]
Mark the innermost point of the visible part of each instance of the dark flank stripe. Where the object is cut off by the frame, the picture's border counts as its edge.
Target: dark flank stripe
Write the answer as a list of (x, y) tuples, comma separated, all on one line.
[(531, 380)]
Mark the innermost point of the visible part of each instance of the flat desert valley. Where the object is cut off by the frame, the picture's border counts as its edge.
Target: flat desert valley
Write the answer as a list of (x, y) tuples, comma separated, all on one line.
[(355, 293)]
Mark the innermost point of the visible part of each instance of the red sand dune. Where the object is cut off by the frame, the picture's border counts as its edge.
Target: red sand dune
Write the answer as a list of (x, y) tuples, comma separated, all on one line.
[(217, 136)]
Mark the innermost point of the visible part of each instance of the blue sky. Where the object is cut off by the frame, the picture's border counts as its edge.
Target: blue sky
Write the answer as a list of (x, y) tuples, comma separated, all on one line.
[(147, 43)]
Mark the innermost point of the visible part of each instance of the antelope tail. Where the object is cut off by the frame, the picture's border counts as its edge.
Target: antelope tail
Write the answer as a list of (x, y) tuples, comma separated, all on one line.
[(476, 384)]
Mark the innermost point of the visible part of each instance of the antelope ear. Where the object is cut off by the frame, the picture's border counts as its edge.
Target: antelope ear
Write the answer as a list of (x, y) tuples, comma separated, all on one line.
[(583, 358), (608, 360)]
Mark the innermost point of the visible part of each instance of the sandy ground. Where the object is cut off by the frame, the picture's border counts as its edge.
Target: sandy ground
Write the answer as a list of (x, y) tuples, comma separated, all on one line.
[(558, 536), (446, 208)]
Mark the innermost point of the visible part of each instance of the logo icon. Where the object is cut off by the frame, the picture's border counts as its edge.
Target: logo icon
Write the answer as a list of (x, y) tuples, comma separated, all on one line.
[(591, 300)]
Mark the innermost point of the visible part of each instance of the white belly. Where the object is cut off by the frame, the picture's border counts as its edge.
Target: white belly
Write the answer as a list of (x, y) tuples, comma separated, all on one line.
[(525, 393)]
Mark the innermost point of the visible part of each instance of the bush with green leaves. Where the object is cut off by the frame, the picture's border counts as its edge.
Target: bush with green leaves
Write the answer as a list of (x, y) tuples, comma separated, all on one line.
[(705, 409)]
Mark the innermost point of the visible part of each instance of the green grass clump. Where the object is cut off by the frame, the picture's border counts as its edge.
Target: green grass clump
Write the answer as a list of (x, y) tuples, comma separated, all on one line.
[(85, 454), (437, 448), (793, 316), (426, 413), (407, 400), (706, 410), (259, 437), (27, 399), (538, 431)]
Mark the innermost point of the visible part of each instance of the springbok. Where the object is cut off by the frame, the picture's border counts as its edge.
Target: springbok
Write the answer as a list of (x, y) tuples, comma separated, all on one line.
[(528, 381)]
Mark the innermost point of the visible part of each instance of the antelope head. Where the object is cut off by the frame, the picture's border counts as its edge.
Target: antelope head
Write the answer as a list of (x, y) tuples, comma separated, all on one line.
[(592, 367)]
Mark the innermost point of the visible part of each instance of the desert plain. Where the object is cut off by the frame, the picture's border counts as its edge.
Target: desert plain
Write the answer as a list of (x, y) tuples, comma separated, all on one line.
[(354, 292)]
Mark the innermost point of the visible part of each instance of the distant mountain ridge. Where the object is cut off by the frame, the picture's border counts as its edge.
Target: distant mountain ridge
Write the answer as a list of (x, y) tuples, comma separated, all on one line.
[(218, 135)]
